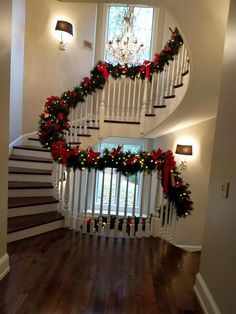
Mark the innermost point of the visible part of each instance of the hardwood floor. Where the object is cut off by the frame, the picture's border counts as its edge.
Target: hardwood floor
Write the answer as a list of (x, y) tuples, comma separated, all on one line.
[(67, 273)]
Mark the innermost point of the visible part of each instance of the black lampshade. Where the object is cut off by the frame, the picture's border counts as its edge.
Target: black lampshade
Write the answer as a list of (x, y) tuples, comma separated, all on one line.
[(65, 27), (184, 149)]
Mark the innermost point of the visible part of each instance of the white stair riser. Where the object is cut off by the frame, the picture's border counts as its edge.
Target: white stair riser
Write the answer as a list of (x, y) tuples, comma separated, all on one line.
[(31, 192), (29, 177), (30, 210), (30, 164), (31, 153), (14, 236)]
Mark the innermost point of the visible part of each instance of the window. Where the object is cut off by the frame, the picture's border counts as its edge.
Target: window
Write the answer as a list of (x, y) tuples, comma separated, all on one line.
[(133, 148), (142, 27)]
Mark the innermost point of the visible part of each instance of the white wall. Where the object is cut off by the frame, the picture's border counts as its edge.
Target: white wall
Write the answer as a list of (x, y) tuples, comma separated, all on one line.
[(17, 62), (5, 57), (189, 230), (48, 70), (217, 267)]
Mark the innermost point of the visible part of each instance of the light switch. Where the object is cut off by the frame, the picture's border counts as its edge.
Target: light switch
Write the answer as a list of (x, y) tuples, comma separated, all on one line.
[(224, 189)]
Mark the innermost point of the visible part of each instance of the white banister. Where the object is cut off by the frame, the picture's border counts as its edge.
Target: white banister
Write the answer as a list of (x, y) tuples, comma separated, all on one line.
[(92, 223), (101, 204), (61, 193), (147, 224), (140, 223), (72, 218), (124, 225), (132, 224), (117, 206), (102, 110)]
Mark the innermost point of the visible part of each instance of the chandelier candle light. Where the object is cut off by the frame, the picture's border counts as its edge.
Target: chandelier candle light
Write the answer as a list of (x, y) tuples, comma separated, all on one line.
[(125, 48)]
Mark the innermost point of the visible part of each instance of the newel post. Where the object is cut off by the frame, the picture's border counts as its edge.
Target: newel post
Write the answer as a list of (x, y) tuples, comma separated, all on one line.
[(144, 106)]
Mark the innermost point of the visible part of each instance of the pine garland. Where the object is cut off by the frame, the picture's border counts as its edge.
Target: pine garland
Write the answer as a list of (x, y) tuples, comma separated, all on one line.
[(54, 122)]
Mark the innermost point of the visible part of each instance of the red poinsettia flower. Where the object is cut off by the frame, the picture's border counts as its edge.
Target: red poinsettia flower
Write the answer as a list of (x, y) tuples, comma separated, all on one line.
[(60, 116), (86, 81)]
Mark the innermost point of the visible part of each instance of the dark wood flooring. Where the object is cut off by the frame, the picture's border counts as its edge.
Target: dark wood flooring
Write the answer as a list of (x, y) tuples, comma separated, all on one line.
[(66, 273)]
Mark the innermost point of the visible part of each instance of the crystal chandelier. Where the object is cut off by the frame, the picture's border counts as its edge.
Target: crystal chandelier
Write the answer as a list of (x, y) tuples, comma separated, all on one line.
[(125, 48)]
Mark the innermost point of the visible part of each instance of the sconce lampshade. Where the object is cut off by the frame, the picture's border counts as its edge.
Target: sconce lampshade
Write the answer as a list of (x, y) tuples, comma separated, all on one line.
[(184, 149), (64, 27)]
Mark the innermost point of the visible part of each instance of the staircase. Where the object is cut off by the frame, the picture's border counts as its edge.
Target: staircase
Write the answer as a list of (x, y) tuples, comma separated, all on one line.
[(32, 201), (125, 107)]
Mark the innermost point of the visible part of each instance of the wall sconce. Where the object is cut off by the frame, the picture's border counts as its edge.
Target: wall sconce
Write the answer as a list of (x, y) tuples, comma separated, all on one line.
[(65, 28), (185, 150)]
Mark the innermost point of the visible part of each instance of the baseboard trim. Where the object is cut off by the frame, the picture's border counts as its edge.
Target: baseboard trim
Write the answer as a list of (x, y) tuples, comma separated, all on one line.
[(205, 297), (4, 265), (20, 140), (190, 248)]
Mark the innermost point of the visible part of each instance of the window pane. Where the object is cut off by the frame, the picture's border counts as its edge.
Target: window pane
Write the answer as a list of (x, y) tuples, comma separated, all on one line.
[(142, 28)]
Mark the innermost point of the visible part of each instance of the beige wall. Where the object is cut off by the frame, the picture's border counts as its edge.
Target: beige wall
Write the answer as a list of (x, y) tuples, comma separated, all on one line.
[(218, 260), (17, 62), (5, 57), (48, 70), (189, 230)]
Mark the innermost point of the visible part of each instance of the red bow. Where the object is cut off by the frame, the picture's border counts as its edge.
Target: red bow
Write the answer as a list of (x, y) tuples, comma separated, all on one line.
[(58, 149), (116, 151), (156, 155), (146, 69), (51, 99), (103, 68), (75, 151), (156, 59), (91, 154), (86, 81), (168, 48), (169, 164), (60, 116)]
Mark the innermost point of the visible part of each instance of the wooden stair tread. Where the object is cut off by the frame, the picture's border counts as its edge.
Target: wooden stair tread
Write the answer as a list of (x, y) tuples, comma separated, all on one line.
[(15, 202), (18, 170), (30, 159), (169, 96), (79, 134), (88, 127), (150, 114), (124, 122), (33, 139), (28, 221), (178, 85), (29, 185), (29, 147), (160, 106)]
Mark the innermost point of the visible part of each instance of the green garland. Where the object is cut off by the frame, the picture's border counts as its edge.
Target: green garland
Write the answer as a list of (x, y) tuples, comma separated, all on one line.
[(54, 121)]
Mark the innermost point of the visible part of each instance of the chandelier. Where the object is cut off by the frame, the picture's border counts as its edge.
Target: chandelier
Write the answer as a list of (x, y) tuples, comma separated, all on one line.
[(125, 48)]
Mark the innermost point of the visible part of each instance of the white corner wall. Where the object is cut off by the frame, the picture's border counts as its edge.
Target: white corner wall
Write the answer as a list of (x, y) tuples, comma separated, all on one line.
[(5, 59), (215, 285), (48, 70), (17, 69), (189, 230)]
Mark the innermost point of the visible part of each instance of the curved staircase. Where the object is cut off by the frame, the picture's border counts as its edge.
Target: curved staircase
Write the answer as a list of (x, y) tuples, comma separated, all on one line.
[(124, 108)]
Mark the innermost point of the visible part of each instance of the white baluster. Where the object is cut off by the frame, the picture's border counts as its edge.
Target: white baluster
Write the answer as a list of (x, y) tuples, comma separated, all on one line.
[(123, 115), (84, 228), (72, 217), (86, 116), (114, 103), (101, 205), (116, 231), (92, 223), (57, 192), (102, 112), (139, 103), (144, 106), (108, 99), (66, 198), (150, 109), (97, 110), (124, 225), (128, 116), (140, 225), (78, 219), (132, 225), (133, 112), (147, 224), (108, 225), (61, 193), (119, 106), (157, 97), (155, 222), (163, 81)]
